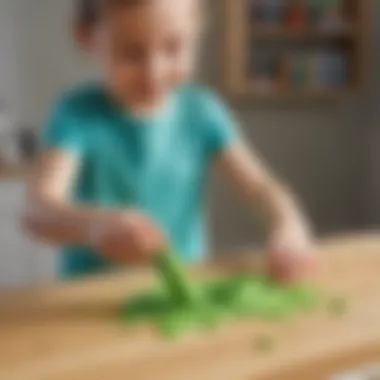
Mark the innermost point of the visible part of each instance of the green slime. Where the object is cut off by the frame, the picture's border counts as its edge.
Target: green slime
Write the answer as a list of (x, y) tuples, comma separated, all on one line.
[(180, 305)]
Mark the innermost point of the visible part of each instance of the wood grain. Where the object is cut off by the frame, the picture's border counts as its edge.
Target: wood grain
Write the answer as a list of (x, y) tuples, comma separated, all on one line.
[(71, 330)]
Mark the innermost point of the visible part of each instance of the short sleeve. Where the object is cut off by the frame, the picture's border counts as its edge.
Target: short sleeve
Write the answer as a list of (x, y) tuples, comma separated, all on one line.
[(62, 130), (221, 126)]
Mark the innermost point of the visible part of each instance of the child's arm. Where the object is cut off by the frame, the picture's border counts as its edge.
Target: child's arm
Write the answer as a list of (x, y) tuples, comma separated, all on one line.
[(255, 182), (289, 239), (47, 213), (49, 216)]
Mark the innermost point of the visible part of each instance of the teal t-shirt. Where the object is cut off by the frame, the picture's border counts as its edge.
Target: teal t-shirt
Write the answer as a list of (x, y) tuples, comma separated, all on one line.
[(157, 164)]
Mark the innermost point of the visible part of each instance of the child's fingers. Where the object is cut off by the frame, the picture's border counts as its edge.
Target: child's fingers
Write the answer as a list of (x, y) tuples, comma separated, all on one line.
[(124, 244), (116, 249), (146, 237), (291, 265)]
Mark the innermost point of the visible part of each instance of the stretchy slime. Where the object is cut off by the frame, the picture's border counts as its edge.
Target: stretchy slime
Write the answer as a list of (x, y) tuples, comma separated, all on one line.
[(174, 279), (180, 305)]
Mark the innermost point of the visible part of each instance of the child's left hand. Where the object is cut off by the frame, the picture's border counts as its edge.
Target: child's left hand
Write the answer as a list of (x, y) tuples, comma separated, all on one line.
[(291, 255)]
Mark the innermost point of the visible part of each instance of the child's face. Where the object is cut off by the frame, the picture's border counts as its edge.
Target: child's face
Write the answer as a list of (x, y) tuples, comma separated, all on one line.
[(148, 49)]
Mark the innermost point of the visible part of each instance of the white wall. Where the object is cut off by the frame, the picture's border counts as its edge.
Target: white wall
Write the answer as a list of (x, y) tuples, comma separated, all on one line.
[(43, 53), (14, 260), (12, 84)]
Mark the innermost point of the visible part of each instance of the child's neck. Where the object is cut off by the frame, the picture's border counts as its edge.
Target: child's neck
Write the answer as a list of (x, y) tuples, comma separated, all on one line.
[(140, 110)]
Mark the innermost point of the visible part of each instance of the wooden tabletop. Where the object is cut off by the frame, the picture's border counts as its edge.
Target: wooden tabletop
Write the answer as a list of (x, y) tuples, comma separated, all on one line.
[(71, 331)]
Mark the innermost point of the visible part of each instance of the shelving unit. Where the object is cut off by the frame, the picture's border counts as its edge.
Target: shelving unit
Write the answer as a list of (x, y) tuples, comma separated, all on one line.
[(248, 38)]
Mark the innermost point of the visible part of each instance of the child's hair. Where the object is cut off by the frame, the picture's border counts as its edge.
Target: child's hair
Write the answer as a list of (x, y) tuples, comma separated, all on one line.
[(88, 12)]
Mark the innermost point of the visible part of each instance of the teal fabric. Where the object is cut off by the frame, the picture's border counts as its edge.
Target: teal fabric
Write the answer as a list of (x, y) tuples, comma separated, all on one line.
[(157, 164)]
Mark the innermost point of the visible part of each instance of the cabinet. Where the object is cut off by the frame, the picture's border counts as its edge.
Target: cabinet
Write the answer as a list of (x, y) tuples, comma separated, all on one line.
[(281, 49)]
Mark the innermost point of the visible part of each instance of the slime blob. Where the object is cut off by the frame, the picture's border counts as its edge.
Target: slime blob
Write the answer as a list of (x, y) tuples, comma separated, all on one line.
[(180, 305)]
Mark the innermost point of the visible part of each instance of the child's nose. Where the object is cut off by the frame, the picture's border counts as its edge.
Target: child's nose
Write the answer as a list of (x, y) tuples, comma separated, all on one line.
[(154, 68)]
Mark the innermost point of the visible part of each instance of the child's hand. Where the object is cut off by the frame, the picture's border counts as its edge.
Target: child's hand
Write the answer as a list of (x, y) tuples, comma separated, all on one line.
[(291, 254), (127, 237)]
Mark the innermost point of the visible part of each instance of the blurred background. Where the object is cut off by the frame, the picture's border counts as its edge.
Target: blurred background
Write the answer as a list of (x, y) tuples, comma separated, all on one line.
[(302, 75)]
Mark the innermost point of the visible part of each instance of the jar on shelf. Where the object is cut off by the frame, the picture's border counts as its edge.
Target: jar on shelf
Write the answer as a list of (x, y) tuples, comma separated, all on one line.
[(268, 12), (315, 11), (297, 14), (333, 19)]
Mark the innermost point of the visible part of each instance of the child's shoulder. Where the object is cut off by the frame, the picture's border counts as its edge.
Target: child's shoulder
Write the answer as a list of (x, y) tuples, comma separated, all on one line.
[(197, 94), (201, 102), (80, 98)]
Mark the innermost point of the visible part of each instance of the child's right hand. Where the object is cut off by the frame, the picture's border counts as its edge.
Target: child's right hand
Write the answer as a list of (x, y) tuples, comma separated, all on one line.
[(127, 237)]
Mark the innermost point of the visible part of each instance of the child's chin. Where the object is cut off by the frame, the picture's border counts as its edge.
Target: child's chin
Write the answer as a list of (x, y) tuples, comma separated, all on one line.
[(151, 103), (152, 97)]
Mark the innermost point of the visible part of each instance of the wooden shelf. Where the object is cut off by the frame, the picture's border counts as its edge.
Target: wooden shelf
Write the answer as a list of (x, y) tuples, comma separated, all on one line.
[(303, 34), (244, 35), (14, 172), (291, 95)]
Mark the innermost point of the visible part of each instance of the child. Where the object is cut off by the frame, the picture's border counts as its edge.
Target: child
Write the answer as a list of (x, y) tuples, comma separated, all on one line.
[(125, 160)]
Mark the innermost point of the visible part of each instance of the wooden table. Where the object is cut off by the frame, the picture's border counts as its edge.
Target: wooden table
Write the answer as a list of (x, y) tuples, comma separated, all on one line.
[(70, 331)]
